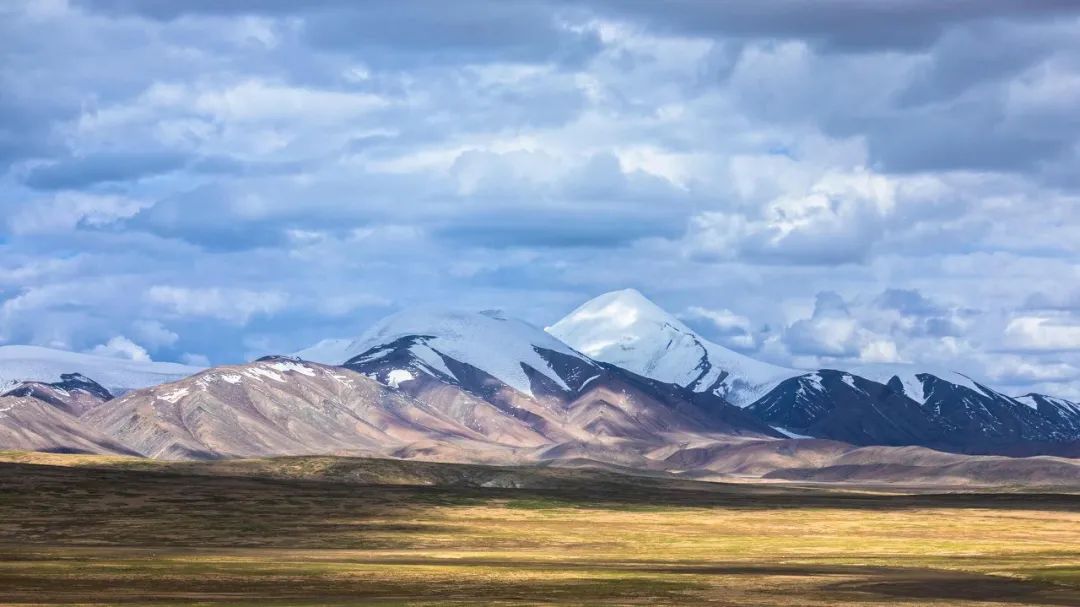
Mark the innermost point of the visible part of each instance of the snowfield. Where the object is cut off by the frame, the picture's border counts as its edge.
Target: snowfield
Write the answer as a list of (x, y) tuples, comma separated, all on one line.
[(625, 329), (117, 375), (487, 340)]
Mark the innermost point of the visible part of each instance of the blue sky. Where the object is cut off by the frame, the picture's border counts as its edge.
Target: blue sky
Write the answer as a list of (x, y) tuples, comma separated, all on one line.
[(814, 183)]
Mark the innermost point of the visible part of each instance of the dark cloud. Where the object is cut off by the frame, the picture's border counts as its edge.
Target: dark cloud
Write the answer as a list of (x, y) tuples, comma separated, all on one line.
[(206, 217), (537, 228), (843, 25), (24, 130), (85, 171), (907, 301), (463, 32), (964, 137), (926, 317), (404, 33), (169, 9), (981, 53)]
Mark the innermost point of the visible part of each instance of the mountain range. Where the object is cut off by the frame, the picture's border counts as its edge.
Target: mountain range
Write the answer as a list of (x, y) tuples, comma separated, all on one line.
[(617, 382)]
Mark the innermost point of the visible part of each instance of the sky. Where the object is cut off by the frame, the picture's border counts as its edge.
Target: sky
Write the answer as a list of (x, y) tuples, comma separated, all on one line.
[(815, 184)]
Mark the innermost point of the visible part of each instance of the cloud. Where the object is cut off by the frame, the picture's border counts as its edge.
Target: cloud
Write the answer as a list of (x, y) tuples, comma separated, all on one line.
[(121, 347), (1018, 370), (387, 32), (837, 221), (230, 305), (908, 302), (81, 172), (835, 24), (1043, 333), (154, 334), (67, 211), (264, 174), (917, 315), (832, 332), (731, 329)]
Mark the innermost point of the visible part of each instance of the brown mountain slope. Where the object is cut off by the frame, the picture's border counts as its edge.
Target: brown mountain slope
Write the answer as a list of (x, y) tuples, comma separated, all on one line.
[(280, 406), (276, 407), (35, 425)]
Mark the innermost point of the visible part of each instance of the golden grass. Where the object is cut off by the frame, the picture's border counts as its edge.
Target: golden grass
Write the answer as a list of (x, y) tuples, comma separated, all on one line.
[(115, 536)]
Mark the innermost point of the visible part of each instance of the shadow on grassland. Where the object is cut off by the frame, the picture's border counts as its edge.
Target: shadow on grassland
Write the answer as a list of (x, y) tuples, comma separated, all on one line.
[(169, 577)]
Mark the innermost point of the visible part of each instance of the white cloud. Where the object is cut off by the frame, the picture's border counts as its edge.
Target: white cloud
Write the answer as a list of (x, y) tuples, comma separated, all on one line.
[(879, 351), (154, 334), (723, 319), (732, 329), (253, 117), (67, 210), (833, 332), (231, 305), (121, 347), (1025, 370), (1042, 333), (837, 220)]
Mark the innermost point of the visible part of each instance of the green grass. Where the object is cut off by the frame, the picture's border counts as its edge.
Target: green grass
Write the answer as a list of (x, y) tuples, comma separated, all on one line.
[(295, 532)]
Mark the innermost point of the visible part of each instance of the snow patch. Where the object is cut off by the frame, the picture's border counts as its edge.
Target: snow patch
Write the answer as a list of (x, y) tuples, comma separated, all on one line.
[(259, 372), (294, 367), (849, 379), (913, 386), (397, 376), (173, 396), (789, 433), (587, 382)]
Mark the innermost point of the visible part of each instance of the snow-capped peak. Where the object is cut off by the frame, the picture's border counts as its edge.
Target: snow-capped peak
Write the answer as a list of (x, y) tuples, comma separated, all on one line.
[(327, 352), (626, 329), (487, 340), (908, 374), (1033, 400)]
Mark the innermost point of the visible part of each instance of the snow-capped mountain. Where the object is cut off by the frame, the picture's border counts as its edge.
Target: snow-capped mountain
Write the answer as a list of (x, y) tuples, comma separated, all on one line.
[(907, 407), (1065, 414), (332, 351), (117, 375), (484, 366), (74, 393), (884, 404), (625, 329), (287, 406), (512, 351), (481, 386), (844, 407), (274, 406)]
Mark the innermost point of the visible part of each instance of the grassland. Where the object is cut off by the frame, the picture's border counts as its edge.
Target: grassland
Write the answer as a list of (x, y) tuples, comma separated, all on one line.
[(314, 531)]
